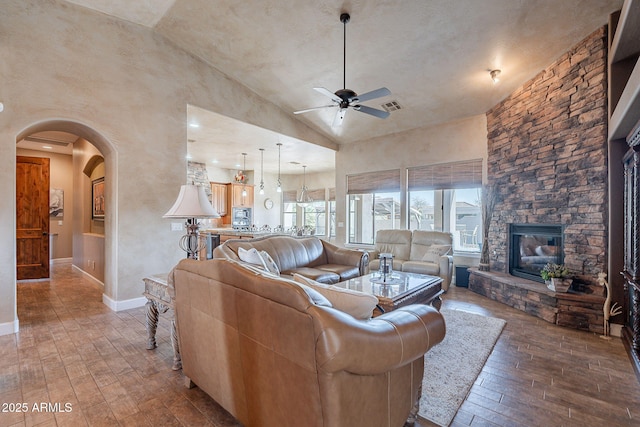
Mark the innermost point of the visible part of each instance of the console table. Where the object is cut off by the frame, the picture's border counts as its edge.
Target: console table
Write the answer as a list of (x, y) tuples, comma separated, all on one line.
[(156, 290)]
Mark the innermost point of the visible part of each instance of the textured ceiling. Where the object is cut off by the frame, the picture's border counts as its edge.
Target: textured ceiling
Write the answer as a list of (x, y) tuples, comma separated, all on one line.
[(434, 55)]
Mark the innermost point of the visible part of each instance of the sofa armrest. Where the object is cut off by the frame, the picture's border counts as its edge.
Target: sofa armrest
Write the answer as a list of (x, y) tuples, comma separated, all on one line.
[(344, 256), (446, 270), (380, 344)]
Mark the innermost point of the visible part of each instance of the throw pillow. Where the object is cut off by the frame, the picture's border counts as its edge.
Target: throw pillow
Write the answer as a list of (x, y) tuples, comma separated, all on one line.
[(270, 263), (358, 304), (435, 252), (252, 256), (315, 296)]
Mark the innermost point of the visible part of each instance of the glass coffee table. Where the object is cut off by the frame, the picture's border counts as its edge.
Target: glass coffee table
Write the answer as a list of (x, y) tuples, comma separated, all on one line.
[(399, 290)]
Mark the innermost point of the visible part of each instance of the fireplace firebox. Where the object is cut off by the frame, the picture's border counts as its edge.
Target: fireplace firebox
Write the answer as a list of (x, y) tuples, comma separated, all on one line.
[(532, 246)]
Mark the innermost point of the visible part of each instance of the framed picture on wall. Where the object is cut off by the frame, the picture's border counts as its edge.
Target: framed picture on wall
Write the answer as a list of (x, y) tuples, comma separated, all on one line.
[(56, 203), (97, 198)]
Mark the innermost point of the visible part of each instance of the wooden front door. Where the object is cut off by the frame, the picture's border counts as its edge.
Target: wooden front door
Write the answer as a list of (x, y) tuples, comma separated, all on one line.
[(32, 217)]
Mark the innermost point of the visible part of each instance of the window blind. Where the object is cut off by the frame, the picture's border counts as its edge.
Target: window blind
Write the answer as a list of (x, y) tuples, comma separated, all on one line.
[(374, 182), (442, 176), (317, 195), (289, 196), (332, 194)]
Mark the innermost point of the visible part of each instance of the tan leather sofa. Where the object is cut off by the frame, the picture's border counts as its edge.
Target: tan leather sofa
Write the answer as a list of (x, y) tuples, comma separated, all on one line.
[(416, 252), (308, 256), (261, 347)]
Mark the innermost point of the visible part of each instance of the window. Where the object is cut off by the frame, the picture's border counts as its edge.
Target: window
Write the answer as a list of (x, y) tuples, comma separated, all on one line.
[(332, 212), (289, 209), (421, 210), (314, 215), (374, 204), (447, 197)]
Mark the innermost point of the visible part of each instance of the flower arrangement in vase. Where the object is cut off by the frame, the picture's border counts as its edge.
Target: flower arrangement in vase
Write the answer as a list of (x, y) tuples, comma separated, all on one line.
[(556, 276)]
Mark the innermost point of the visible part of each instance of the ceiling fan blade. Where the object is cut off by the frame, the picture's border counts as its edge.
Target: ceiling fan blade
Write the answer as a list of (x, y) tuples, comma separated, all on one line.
[(327, 92), (314, 108), (372, 111), (338, 119), (378, 93)]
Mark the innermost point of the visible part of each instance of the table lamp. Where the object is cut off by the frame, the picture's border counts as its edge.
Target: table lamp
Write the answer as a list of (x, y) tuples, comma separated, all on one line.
[(192, 203)]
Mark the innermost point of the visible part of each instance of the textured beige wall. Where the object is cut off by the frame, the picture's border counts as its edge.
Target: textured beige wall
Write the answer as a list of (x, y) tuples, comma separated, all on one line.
[(449, 142), (126, 90)]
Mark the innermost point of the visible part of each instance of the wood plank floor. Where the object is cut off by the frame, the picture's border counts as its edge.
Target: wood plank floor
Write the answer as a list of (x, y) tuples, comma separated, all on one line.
[(71, 349)]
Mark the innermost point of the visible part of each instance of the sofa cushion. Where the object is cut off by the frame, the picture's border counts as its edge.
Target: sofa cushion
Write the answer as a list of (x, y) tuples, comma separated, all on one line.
[(374, 265), (397, 242), (316, 274), (434, 253), (358, 304), (421, 267), (345, 272), (422, 240), (287, 252)]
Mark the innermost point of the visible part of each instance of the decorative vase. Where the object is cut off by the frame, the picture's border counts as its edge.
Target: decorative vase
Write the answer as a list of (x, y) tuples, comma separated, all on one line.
[(557, 284)]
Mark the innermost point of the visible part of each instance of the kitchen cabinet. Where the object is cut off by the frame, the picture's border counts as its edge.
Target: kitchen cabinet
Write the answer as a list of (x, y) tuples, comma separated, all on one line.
[(219, 198), (237, 199)]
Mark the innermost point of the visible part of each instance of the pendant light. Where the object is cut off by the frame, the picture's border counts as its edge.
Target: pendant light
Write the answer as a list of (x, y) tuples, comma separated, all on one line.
[(304, 199), (244, 171), (279, 189), (261, 171)]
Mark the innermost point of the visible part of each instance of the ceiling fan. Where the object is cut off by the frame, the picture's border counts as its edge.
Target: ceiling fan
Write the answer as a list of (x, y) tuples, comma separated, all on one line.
[(346, 98)]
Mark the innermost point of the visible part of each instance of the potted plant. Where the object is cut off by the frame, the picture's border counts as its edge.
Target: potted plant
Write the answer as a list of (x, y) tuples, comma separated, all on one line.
[(556, 276)]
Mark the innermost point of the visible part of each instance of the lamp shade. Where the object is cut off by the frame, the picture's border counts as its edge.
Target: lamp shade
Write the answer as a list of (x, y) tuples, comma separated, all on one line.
[(192, 202)]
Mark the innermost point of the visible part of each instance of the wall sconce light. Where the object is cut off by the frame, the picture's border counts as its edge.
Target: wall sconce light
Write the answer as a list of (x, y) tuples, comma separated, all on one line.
[(494, 75)]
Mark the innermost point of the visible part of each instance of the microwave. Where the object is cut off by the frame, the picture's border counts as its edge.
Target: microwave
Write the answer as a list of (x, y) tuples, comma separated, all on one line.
[(241, 217)]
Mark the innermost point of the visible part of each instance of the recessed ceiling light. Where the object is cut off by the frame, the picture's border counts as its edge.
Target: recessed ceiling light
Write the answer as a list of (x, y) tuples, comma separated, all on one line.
[(47, 147), (214, 161), (194, 125), (188, 157)]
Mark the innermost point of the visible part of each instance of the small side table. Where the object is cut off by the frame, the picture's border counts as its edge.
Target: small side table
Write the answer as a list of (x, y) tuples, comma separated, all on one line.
[(159, 301)]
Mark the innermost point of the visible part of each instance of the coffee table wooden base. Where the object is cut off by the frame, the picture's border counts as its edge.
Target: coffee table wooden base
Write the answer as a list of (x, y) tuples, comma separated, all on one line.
[(402, 290)]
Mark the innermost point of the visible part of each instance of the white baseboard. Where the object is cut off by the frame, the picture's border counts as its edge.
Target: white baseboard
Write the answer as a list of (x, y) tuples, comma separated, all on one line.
[(123, 305), (88, 276), (9, 327), (615, 330), (60, 261)]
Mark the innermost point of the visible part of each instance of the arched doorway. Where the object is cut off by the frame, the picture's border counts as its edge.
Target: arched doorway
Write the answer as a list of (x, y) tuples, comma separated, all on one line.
[(105, 154)]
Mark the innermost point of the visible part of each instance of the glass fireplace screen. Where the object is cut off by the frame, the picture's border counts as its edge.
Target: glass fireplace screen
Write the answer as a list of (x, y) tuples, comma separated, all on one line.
[(532, 247)]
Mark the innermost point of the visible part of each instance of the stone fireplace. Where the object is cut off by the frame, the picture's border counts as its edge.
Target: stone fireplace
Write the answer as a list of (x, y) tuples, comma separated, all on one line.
[(547, 161), (532, 247)]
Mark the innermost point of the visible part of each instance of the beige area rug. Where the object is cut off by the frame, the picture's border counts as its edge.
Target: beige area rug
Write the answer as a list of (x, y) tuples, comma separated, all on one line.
[(452, 366)]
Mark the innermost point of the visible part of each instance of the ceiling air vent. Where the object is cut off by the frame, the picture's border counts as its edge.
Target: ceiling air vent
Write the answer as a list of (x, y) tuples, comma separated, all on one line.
[(391, 106)]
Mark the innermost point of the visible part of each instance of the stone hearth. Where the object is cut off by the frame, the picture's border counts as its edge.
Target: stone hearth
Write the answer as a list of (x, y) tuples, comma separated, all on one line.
[(573, 310)]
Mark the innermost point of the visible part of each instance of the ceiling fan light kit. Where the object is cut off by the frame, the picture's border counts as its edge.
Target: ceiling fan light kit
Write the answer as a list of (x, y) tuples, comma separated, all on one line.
[(346, 98)]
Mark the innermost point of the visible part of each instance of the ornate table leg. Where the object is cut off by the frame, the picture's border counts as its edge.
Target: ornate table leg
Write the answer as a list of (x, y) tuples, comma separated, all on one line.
[(177, 360), (152, 324)]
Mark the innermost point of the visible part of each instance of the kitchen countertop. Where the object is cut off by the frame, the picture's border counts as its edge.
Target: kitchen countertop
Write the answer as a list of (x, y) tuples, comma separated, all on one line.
[(239, 233)]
